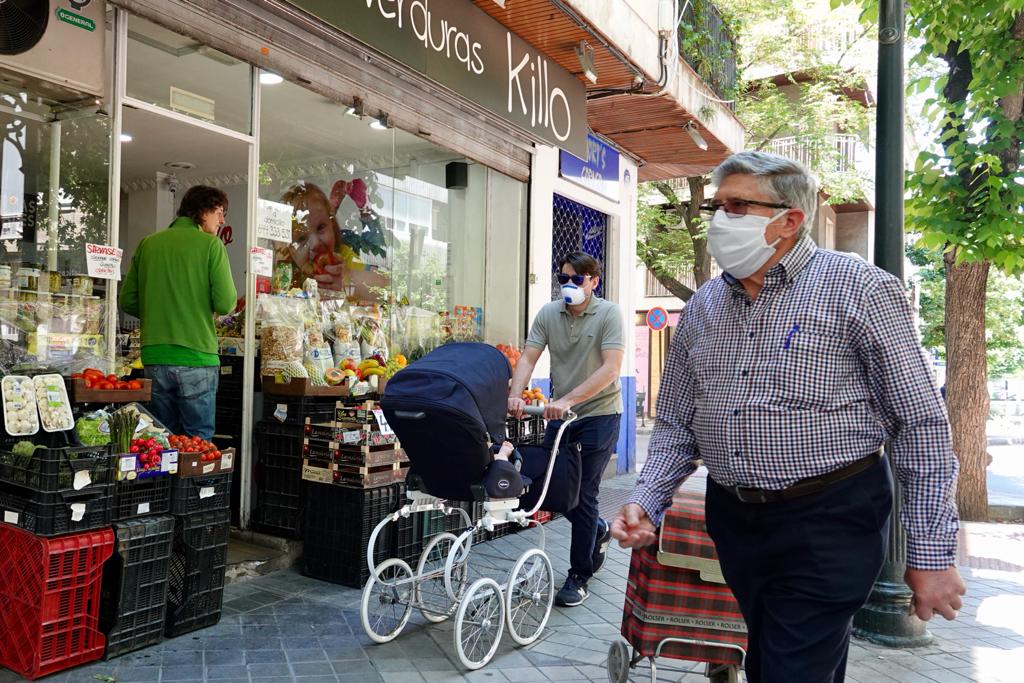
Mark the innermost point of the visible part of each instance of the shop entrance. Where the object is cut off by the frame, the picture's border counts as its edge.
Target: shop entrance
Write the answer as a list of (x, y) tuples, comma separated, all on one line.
[(161, 157), (576, 227)]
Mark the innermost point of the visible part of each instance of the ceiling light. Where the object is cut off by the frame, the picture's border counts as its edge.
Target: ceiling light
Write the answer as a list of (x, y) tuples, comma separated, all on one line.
[(382, 122), (270, 78), (356, 108), (695, 135), (585, 54), (125, 137)]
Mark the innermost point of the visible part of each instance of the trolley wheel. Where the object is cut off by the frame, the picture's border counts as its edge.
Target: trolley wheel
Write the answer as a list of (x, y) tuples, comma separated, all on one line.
[(530, 595), (431, 594), (387, 601), (618, 662), (479, 623), (724, 673)]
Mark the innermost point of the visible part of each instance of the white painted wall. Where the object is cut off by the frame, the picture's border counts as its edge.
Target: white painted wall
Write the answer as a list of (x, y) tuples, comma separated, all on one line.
[(621, 247)]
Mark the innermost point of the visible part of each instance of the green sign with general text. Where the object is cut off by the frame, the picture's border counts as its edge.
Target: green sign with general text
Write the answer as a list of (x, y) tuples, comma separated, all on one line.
[(69, 17)]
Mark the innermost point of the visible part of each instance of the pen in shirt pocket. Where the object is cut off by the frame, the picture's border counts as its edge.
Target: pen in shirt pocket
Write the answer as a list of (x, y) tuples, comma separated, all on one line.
[(789, 336)]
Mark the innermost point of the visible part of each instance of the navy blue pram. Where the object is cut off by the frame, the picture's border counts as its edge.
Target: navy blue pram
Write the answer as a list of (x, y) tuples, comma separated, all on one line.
[(447, 409)]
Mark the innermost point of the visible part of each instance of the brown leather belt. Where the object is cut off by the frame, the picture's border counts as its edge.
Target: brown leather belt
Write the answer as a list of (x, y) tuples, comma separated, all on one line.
[(804, 487)]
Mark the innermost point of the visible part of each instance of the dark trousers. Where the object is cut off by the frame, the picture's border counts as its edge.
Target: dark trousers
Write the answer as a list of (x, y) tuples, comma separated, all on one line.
[(800, 569), (597, 437)]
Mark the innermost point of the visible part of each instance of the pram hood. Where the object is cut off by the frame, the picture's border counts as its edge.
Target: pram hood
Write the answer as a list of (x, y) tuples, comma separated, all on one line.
[(468, 378)]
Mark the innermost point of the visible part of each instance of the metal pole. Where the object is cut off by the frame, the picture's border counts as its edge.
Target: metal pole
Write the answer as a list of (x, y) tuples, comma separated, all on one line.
[(885, 619)]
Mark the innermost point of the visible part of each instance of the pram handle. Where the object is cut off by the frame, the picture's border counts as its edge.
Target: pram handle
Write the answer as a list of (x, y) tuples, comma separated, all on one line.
[(411, 415), (569, 418), (536, 411)]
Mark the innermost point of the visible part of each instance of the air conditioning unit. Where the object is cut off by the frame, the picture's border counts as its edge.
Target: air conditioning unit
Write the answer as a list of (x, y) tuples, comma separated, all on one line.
[(53, 47)]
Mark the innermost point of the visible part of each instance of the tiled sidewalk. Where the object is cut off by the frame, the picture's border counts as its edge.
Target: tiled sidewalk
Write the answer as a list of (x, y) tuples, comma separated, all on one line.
[(286, 627)]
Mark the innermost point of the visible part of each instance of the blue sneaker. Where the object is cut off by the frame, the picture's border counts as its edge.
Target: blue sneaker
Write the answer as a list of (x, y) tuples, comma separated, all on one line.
[(604, 539), (573, 593)]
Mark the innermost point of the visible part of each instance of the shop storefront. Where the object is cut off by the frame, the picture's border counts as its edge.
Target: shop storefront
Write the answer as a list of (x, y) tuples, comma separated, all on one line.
[(371, 159)]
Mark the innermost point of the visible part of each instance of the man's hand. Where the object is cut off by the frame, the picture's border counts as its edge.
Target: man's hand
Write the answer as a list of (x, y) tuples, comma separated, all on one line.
[(632, 528), (515, 407), (556, 410), (935, 592)]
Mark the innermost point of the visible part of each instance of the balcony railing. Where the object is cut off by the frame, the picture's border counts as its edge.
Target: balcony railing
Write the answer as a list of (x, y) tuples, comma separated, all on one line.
[(707, 45), (836, 153)]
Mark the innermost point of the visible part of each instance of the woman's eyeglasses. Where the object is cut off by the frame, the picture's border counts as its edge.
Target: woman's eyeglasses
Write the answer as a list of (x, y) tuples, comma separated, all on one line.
[(577, 280), (737, 207)]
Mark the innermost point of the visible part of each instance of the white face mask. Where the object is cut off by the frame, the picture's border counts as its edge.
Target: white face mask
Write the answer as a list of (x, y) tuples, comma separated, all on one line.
[(573, 295), (738, 244)]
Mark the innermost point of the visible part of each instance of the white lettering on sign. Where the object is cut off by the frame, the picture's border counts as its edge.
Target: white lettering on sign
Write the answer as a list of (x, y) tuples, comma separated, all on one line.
[(441, 36), (104, 262), (546, 103)]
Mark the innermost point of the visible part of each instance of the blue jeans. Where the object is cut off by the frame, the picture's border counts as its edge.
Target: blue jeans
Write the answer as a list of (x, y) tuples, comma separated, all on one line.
[(184, 398), (597, 436)]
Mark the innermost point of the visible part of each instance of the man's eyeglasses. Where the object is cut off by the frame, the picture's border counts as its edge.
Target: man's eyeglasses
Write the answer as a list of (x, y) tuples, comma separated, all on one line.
[(577, 280), (737, 207)]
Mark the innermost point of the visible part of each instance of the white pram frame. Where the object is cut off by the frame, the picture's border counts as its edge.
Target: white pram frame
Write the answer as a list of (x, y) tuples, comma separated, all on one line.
[(519, 599)]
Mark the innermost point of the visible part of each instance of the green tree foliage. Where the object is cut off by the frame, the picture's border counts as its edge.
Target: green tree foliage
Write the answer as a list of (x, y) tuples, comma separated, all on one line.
[(798, 66)]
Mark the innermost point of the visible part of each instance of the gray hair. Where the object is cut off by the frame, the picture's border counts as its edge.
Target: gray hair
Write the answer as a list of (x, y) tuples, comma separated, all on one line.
[(784, 180)]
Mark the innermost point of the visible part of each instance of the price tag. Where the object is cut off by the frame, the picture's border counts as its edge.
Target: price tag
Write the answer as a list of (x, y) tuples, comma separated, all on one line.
[(385, 428), (226, 370), (262, 261), (206, 492), (54, 398), (11, 517), (143, 509), (208, 467), (317, 474), (82, 479), (169, 462), (352, 437), (127, 463), (77, 512), (226, 460), (282, 412)]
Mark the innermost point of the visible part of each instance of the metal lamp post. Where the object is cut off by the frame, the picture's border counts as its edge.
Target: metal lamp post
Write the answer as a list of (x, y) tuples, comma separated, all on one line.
[(886, 618)]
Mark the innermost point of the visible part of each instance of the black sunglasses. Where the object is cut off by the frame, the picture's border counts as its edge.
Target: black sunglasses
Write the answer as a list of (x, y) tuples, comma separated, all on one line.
[(577, 280), (738, 207)]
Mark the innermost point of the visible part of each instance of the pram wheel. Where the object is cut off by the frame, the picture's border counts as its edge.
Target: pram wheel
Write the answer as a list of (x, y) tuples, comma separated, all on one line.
[(479, 623), (618, 662), (431, 594), (530, 594), (387, 601)]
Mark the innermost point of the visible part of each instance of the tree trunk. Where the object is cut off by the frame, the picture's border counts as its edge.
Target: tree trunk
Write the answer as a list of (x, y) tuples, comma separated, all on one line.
[(694, 225), (967, 381)]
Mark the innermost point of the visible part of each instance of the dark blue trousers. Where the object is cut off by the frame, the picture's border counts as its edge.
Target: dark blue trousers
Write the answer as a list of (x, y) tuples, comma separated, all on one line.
[(800, 569), (597, 437)]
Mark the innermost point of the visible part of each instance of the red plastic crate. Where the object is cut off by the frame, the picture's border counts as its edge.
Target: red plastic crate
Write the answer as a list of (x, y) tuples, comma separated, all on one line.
[(542, 516), (50, 599)]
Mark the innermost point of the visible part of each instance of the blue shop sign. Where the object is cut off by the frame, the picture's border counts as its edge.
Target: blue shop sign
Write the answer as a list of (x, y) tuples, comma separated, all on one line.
[(599, 172)]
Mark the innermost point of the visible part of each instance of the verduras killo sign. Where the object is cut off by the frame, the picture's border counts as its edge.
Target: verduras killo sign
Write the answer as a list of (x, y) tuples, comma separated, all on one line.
[(460, 46)]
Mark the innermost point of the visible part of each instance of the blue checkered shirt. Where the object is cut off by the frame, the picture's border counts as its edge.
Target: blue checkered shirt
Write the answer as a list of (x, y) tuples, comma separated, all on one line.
[(814, 374)]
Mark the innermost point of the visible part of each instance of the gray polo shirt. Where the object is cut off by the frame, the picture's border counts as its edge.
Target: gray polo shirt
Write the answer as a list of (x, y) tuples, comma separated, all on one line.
[(576, 344)]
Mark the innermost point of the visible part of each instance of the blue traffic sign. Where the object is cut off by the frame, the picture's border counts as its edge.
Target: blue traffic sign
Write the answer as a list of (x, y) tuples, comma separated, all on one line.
[(657, 318)]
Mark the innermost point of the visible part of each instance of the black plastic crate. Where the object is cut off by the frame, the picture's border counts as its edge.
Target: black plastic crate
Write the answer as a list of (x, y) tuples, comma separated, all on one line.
[(278, 514), (195, 591), (297, 409), (197, 494), (53, 514), (232, 369), (529, 430), (134, 593), (50, 470), (141, 497), (408, 537), (338, 522)]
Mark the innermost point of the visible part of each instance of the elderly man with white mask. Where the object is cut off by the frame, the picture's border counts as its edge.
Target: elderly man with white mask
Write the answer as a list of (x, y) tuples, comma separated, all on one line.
[(786, 376)]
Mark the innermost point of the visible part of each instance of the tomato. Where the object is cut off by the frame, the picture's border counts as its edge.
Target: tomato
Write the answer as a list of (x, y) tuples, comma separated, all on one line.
[(88, 384), (105, 385), (122, 385), (321, 262), (112, 378), (135, 385), (78, 375), (92, 372)]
